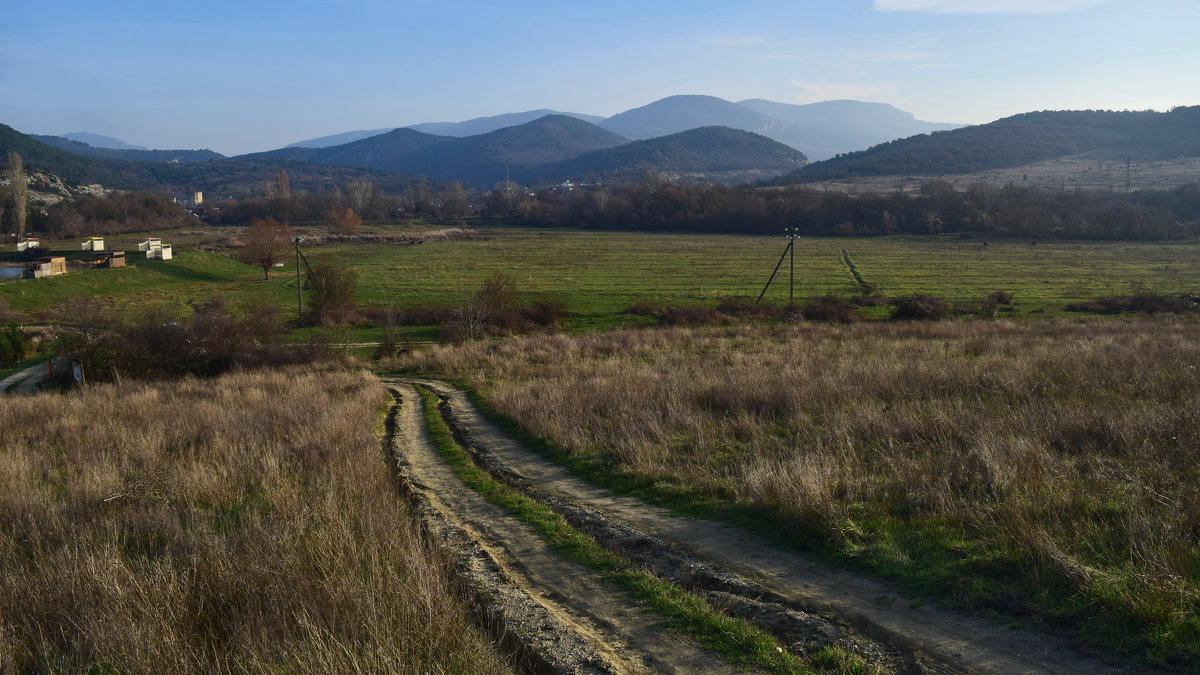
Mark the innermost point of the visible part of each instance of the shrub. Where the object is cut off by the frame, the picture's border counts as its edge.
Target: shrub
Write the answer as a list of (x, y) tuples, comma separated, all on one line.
[(12, 344), (829, 309), (693, 316), (484, 309), (919, 307), (746, 308), (333, 288), (1000, 298), (645, 309), (212, 340)]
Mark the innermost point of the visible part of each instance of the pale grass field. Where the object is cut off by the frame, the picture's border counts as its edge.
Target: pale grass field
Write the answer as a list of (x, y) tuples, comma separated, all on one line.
[(1049, 470), (244, 524)]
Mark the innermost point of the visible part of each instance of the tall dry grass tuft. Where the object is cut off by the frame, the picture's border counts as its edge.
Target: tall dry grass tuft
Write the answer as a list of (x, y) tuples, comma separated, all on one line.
[(1048, 464), (247, 523)]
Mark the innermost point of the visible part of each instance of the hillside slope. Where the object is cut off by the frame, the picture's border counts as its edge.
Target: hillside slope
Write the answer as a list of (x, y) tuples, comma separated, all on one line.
[(674, 114), (1020, 140), (716, 153), (836, 127), (131, 154), (483, 125)]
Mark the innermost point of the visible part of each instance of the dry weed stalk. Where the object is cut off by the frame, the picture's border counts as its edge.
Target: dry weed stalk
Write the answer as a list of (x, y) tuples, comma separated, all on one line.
[(247, 523)]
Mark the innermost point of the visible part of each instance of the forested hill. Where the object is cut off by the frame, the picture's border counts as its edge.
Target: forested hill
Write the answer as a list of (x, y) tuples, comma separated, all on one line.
[(72, 168), (224, 176), (715, 152), (1017, 141), (132, 154)]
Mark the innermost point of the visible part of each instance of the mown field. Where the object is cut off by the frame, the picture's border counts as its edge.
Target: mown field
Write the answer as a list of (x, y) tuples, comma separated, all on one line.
[(244, 524), (1042, 471), (599, 274)]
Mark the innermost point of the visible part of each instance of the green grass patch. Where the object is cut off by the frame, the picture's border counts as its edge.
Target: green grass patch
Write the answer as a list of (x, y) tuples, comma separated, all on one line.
[(599, 274), (733, 639)]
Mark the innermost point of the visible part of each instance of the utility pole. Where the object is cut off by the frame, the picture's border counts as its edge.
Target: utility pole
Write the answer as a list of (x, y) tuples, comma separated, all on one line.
[(791, 234), (299, 287)]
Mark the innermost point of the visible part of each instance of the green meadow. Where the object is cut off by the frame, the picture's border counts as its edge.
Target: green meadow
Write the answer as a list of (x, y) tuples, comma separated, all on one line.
[(599, 274)]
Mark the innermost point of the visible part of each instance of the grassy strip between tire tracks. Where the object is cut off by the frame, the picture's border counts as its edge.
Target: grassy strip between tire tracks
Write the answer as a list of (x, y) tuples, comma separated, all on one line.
[(733, 639)]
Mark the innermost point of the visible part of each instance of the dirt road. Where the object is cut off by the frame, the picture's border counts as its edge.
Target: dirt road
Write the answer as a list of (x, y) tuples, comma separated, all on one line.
[(783, 591), (25, 381), (574, 620)]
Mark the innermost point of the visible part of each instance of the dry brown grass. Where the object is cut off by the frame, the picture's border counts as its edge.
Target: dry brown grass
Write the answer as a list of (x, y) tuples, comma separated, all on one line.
[(248, 523), (1049, 467)]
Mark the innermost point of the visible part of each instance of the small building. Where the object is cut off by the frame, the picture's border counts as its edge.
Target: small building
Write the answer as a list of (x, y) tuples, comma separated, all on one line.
[(197, 198), (161, 252), (46, 266), (29, 243), (93, 244), (108, 259)]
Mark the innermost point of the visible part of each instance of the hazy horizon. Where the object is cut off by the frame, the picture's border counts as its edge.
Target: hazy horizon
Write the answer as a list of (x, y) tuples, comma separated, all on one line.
[(240, 78)]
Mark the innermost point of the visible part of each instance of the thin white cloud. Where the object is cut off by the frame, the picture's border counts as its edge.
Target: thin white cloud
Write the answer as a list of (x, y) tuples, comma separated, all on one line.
[(810, 92), (986, 6)]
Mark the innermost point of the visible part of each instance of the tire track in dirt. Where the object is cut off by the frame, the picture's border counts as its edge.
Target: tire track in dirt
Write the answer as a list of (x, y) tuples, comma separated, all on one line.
[(562, 616), (930, 639)]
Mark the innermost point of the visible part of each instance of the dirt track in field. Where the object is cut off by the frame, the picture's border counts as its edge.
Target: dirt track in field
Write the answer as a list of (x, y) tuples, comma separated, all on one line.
[(806, 604), (573, 621)]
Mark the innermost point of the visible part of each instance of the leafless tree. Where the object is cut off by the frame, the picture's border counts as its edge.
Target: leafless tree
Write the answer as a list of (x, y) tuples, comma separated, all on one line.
[(20, 189), (360, 194), (285, 188), (454, 197), (471, 319)]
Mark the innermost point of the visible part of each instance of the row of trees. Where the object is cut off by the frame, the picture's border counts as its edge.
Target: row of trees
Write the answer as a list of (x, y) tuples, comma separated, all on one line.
[(654, 203), (365, 198), (939, 208)]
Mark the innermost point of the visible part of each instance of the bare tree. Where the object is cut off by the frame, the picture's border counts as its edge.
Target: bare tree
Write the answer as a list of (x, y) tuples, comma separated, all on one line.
[(285, 188), (360, 194), (266, 243), (470, 320), (20, 189), (455, 199)]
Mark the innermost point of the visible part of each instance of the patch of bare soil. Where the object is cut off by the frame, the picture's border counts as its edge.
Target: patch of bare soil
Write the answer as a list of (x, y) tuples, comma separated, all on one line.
[(557, 615), (790, 593)]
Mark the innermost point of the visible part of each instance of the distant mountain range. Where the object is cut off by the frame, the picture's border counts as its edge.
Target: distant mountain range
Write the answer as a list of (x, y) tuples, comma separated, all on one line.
[(819, 130), (688, 137), (135, 154), (98, 141), (554, 148)]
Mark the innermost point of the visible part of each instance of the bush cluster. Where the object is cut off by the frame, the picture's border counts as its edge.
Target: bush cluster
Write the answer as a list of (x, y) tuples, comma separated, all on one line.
[(12, 344), (214, 339), (919, 307)]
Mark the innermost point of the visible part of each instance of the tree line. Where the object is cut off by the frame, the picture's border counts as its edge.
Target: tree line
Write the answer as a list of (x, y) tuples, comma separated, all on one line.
[(654, 203), (938, 208)]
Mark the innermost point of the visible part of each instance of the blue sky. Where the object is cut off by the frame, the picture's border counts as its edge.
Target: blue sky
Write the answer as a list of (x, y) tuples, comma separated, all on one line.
[(245, 76)]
